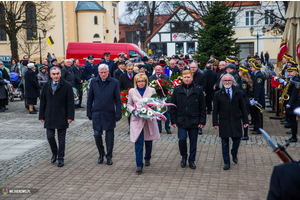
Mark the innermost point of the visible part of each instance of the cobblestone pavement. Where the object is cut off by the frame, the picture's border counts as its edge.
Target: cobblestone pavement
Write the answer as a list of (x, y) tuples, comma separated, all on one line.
[(83, 178)]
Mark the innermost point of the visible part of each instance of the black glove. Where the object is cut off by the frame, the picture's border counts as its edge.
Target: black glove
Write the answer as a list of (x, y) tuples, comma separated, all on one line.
[(118, 119), (90, 117)]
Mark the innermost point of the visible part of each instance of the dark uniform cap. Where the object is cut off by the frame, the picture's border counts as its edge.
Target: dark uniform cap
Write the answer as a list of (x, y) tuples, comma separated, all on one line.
[(136, 60), (230, 59), (106, 54), (53, 60), (292, 68), (292, 62), (256, 65), (162, 63), (145, 59), (232, 66), (287, 56), (91, 57), (251, 59), (176, 57), (257, 58), (121, 63), (243, 68), (121, 55), (141, 65)]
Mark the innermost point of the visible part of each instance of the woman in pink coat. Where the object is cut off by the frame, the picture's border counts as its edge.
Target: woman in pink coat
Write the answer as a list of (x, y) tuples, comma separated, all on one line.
[(141, 129)]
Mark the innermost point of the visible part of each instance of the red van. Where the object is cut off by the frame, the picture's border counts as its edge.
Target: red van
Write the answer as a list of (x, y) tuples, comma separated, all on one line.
[(81, 50)]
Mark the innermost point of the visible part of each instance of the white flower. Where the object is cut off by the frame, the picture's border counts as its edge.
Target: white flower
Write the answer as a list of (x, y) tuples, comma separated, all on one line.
[(145, 99), (124, 105), (158, 109), (143, 110), (126, 114), (149, 113)]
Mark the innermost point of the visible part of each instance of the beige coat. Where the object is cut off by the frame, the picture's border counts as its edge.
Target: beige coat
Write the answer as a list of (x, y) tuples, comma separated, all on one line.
[(151, 131)]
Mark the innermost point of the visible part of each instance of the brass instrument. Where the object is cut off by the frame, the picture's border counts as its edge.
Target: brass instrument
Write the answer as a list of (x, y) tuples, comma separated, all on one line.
[(284, 95), (258, 106)]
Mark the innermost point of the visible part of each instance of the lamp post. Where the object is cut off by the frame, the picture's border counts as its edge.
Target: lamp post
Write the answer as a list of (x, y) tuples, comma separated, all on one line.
[(257, 34), (141, 35), (40, 42)]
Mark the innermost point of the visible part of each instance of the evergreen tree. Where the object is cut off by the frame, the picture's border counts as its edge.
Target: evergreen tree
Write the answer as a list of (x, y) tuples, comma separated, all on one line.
[(216, 36)]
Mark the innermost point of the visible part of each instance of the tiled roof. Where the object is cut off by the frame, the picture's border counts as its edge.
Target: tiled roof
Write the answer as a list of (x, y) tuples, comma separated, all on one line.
[(243, 3), (89, 5), (158, 19), (190, 11)]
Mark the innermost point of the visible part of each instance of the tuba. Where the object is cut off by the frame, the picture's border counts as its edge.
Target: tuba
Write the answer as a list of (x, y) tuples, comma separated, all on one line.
[(284, 95)]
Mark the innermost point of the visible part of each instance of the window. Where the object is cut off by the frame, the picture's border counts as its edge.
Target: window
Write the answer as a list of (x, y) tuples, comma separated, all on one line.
[(30, 13), (246, 49), (268, 16), (2, 31), (95, 20), (179, 27), (134, 52), (233, 15), (114, 15), (96, 36), (190, 47), (249, 18), (179, 48)]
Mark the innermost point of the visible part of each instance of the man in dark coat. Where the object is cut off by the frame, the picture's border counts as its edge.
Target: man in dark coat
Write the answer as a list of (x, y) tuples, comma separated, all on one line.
[(285, 182), (108, 62), (188, 115), (3, 93), (79, 80), (120, 70), (159, 74), (173, 67), (104, 108), (211, 79), (90, 70), (57, 112), (117, 62), (32, 88), (267, 57), (228, 112), (68, 74), (126, 80)]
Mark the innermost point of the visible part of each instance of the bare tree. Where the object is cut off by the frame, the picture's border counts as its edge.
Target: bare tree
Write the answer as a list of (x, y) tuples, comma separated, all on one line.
[(15, 16), (30, 47), (277, 19)]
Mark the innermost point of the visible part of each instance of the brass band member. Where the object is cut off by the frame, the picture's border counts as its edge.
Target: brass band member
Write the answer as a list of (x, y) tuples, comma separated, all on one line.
[(294, 101), (258, 96)]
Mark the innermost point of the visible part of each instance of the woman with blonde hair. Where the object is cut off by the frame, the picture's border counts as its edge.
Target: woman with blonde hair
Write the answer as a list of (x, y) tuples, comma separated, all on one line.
[(141, 130), (245, 86)]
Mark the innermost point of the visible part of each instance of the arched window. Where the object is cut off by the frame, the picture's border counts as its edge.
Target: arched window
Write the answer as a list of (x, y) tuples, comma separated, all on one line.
[(96, 35), (2, 31), (95, 20), (30, 14)]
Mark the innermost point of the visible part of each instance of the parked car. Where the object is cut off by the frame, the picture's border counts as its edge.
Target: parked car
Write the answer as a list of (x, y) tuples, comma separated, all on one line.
[(81, 50), (6, 60)]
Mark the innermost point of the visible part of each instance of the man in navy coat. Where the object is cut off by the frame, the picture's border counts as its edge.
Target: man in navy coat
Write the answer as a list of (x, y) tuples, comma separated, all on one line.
[(110, 63), (90, 69), (104, 108)]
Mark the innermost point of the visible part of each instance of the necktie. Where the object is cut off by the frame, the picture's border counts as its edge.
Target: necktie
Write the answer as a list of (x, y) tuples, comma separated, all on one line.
[(228, 94), (130, 76), (55, 84)]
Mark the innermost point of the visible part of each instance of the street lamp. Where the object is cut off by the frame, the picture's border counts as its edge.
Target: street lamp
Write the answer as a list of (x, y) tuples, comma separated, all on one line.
[(257, 34), (138, 34), (40, 42)]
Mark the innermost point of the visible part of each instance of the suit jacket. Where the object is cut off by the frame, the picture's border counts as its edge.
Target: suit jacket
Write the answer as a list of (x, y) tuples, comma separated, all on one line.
[(118, 73), (125, 82)]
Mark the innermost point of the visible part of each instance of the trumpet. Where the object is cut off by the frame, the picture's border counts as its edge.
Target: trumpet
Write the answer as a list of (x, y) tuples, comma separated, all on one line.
[(258, 106)]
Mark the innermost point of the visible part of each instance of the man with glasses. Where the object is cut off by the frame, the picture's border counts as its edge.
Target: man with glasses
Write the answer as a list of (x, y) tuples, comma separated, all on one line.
[(229, 112), (104, 108)]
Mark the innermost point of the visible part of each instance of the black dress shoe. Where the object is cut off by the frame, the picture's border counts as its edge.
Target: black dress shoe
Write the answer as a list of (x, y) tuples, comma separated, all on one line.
[(183, 163), (2, 110), (159, 131), (139, 169), (226, 167), (32, 112), (109, 162), (147, 162), (209, 113), (287, 125), (192, 165), (252, 129), (100, 159), (245, 138), (235, 159), (251, 126), (289, 132), (282, 120), (285, 122), (291, 140), (53, 159), (256, 132), (200, 131), (5, 108), (169, 132), (60, 163)]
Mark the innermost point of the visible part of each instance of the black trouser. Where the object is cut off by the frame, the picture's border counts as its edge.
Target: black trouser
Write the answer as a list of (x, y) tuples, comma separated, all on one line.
[(225, 148), (61, 134), (2, 103), (293, 123), (109, 140), (80, 100), (192, 133), (208, 106), (257, 118)]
